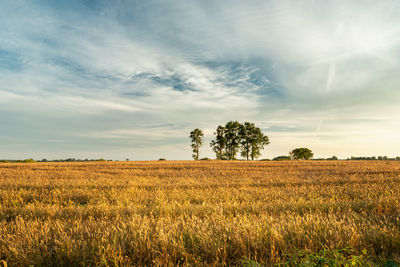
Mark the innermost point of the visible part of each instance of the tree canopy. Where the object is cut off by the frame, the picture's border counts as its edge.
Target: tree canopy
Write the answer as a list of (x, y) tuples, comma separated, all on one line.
[(219, 143), (301, 153)]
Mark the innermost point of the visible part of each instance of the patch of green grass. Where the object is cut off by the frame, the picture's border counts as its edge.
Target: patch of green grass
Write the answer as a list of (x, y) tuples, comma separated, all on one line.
[(249, 263), (328, 257)]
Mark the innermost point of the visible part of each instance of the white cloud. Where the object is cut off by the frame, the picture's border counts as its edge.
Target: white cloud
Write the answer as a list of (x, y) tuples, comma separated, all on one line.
[(300, 70)]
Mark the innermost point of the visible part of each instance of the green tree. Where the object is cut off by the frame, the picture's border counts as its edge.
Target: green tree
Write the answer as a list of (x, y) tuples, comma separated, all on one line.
[(219, 143), (259, 140), (252, 141), (196, 137), (246, 139), (232, 136), (301, 153)]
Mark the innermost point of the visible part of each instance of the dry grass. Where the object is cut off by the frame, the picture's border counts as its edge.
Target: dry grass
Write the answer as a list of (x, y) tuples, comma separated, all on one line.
[(206, 212)]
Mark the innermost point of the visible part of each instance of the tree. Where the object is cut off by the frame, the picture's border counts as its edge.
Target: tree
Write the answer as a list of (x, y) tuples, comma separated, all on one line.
[(301, 153), (232, 136), (252, 141), (246, 138), (196, 137), (259, 141), (219, 143)]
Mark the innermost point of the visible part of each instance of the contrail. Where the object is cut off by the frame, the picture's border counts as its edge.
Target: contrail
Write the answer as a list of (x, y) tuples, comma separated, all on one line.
[(332, 65), (331, 77)]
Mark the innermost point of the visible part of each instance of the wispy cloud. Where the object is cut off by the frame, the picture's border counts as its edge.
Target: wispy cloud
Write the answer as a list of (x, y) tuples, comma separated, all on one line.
[(90, 77)]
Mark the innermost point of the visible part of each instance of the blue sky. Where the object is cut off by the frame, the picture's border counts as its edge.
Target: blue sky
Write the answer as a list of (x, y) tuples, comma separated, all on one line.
[(131, 79)]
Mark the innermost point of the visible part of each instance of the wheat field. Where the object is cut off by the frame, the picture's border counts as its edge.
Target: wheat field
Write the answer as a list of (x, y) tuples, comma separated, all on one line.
[(200, 213)]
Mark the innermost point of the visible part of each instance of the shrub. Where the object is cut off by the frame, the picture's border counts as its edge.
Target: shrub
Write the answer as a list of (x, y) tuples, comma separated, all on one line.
[(301, 153), (279, 158), (332, 158)]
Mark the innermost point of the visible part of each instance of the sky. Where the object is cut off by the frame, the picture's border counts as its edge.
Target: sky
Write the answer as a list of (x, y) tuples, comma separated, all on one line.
[(130, 79)]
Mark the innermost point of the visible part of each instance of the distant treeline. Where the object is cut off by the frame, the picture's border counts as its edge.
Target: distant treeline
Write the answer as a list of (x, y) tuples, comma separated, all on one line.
[(280, 158), (45, 160), (374, 158)]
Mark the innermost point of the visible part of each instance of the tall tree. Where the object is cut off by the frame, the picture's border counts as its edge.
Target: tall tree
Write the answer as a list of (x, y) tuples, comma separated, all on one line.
[(252, 141), (219, 143), (246, 139), (196, 136), (232, 135), (259, 140)]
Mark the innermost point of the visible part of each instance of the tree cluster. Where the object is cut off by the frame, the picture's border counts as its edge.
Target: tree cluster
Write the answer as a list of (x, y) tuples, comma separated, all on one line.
[(232, 138)]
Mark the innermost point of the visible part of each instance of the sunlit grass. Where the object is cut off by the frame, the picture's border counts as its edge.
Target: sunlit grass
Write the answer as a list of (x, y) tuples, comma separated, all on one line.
[(207, 212)]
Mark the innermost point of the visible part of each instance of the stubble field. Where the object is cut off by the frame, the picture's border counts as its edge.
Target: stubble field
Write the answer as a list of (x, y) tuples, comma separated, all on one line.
[(204, 212)]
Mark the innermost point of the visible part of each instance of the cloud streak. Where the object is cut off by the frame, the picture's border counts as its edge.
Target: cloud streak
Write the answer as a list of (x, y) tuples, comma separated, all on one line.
[(85, 78)]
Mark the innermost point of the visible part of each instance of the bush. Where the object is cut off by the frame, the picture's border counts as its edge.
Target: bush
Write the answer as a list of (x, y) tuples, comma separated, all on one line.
[(161, 159), (205, 159), (332, 158), (301, 153), (280, 158)]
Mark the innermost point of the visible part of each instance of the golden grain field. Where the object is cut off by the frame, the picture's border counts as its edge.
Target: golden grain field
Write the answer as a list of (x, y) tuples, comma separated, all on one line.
[(204, 212)]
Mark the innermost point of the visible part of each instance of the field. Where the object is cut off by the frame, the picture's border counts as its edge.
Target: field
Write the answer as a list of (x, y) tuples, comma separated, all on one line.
[(204, 212)]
